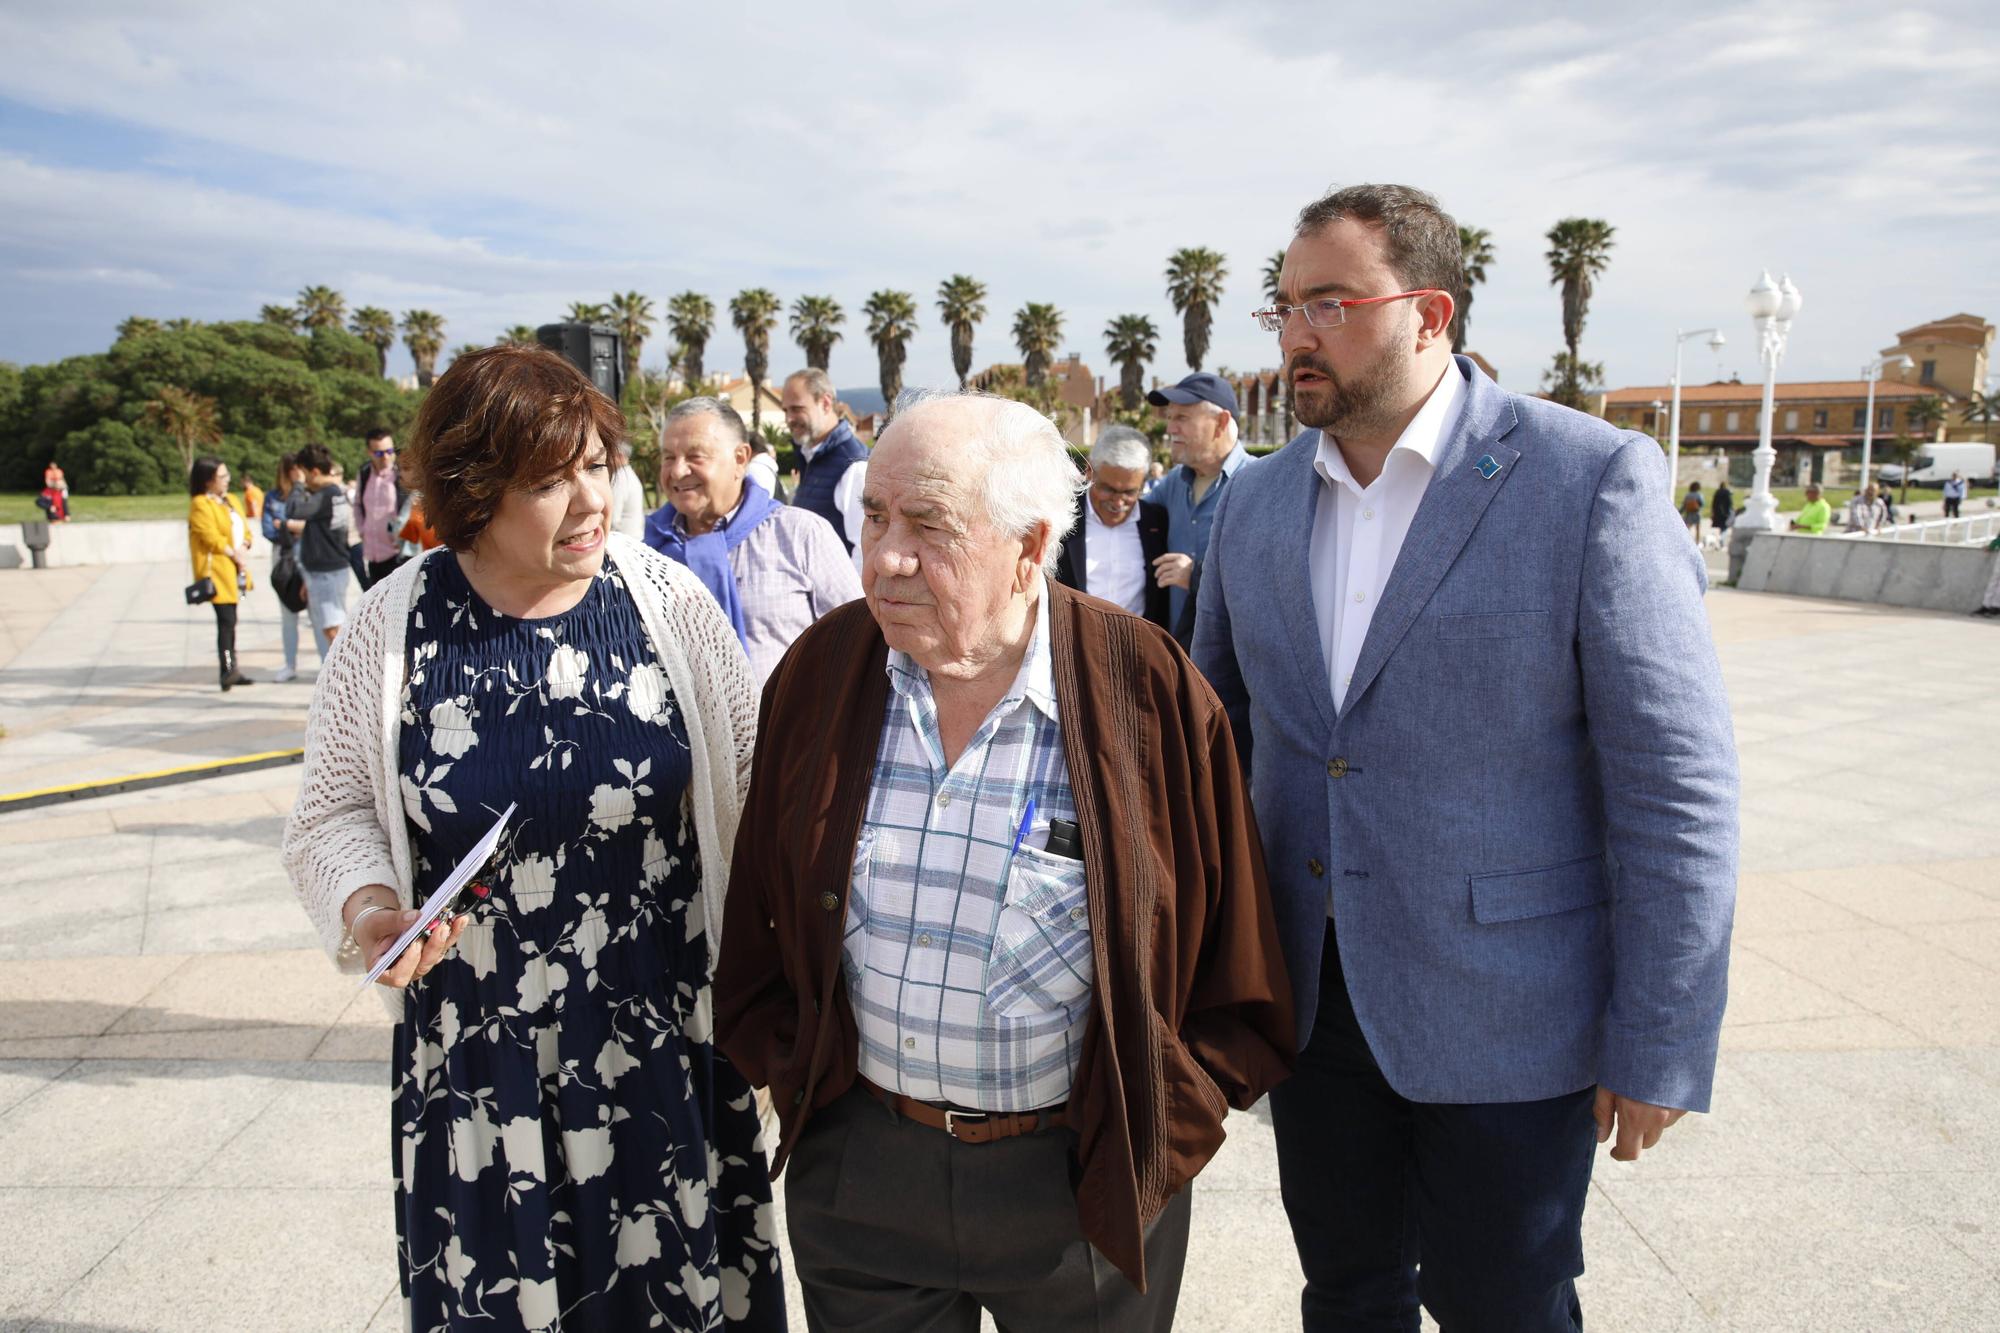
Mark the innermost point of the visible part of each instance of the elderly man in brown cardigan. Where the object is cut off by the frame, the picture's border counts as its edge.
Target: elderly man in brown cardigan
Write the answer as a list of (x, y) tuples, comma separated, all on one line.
[(998, 937)]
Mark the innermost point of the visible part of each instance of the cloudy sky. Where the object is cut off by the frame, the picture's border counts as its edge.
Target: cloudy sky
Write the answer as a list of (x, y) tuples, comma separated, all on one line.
[(494, 162)]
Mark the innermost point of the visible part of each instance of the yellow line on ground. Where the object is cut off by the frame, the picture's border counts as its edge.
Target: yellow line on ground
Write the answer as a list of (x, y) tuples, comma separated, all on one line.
[(213, 765)]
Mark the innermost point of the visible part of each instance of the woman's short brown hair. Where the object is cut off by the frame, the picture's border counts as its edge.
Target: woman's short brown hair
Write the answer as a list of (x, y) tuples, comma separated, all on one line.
[(500, 419)]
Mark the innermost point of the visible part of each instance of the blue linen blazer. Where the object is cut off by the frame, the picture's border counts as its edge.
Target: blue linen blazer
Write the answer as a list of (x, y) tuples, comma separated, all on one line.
[(1524, 819)]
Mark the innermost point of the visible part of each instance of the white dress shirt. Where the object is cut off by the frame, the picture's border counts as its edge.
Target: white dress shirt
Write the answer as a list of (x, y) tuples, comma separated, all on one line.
[(1358, 530), (1114, 564)]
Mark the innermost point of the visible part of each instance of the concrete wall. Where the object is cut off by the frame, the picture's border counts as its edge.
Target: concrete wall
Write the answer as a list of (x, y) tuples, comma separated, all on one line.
[(131, 543), (1935, 578)]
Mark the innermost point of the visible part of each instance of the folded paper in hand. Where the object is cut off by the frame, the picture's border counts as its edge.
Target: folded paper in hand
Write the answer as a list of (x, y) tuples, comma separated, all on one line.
[(436, 905)]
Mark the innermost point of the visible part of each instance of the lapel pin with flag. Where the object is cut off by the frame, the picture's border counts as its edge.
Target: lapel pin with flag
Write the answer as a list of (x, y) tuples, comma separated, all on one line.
[(1488, 468)]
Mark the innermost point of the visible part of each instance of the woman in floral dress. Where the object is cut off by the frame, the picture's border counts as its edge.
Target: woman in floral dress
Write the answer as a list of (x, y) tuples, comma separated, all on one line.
[(571, 1151)]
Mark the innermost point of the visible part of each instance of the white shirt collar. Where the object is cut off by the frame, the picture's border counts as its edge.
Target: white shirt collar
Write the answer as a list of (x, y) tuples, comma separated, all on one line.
[(1035, 681), (1420, 440)]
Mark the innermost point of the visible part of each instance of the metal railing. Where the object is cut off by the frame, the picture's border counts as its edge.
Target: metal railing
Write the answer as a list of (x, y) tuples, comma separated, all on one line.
[(1976, 530)]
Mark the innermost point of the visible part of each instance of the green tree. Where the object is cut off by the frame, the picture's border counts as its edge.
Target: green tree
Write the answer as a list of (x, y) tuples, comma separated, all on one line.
[(1131, 341), (1572, 382), (691, 319), (278, 316), (1476, 245), (962, 303), (588, 312), (1037, 331), (816, 322), (321, 308), (1579, 252), (1906, 448), (1928, 413), (188, 419), (755, 312), (423, 334), (1274, 272), (1194, 285), (137, 326), (892, 322), (633, 316), (1985, 409), (376, 327)]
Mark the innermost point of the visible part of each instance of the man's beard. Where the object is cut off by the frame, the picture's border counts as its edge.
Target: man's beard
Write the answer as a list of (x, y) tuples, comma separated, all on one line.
[(801, 435), (1348, 406)]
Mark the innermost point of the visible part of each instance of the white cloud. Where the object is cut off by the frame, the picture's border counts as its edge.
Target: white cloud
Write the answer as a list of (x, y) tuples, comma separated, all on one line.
[(496, 162)]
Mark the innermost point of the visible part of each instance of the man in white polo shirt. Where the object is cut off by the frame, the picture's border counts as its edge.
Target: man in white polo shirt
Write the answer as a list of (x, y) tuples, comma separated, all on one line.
[(1110, 554)]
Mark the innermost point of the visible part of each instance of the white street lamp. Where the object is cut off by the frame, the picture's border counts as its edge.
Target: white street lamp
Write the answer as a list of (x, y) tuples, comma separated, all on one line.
[(1872, 372), (1773, 306), (1715, 344)]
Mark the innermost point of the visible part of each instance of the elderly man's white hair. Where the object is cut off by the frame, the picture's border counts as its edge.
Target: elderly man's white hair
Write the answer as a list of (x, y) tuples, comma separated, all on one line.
[(1026, 476), (1122, 447)]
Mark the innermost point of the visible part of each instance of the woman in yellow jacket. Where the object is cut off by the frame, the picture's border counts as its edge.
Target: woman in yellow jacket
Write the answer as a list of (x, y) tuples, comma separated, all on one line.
[(219, 545)]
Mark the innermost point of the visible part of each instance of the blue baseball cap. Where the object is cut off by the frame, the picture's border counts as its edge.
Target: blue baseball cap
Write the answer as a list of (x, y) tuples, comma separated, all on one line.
[(1200, 387)]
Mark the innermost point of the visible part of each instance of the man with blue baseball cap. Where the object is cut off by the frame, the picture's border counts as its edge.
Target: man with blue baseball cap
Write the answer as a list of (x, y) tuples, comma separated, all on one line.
[(1201, 435)]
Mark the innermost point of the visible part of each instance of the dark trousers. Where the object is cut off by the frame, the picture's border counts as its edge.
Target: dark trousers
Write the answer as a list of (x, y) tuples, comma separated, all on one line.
[(225, 636), (1476, 1209), (378, 570), (897, 1227), (1951, 505)]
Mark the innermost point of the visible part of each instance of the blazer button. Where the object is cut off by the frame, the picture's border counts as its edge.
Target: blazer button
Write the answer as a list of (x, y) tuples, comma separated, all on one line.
[(829, 901), (1316, 868), (1336, 768)]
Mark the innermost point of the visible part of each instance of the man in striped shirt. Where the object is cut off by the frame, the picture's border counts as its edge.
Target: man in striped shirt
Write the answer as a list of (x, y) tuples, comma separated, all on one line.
[(1000, 943)]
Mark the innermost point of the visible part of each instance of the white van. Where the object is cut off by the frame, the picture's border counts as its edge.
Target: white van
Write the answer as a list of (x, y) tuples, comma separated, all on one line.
[(1936, 463)]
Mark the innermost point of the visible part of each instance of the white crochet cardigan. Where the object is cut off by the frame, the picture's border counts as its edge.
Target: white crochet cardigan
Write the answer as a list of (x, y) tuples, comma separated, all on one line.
[(347, 828)]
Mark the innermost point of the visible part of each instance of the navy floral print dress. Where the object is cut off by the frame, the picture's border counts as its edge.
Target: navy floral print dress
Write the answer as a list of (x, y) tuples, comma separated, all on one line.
[(571, 1151)]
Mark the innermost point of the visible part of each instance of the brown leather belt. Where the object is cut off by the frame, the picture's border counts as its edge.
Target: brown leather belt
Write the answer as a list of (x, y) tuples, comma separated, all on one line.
[(969, 1126)]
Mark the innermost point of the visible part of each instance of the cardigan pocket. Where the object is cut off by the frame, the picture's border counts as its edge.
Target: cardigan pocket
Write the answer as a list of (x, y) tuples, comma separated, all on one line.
[(1041, 958)]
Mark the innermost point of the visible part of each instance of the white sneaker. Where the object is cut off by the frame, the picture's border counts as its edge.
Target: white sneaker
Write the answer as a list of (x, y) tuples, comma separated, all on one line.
[(285, 674)]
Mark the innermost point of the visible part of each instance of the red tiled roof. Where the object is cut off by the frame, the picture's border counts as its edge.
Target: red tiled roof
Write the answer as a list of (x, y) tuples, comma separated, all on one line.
[(1798, 390)]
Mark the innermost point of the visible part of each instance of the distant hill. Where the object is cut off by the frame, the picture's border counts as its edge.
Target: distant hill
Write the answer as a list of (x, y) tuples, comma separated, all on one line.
[(865, 402)]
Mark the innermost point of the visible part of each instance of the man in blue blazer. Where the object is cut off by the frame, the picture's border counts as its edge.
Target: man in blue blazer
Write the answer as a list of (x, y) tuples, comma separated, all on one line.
[(1460, 634)]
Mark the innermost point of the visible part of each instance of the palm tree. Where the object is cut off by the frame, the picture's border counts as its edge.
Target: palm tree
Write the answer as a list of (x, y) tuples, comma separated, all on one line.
[(137, 326), (633, 314), (376, 327), (1131, 341), (283, 316), (520, 335), (1579, 250), (189, 419), (816, 322), (1037, 330), (1274, 270), (1476, 245), (588, 312), (962, 302), (1980, 407), (423, 334), (892, 322), (754, 311), (1571, 381), (321, 307), (691, 319), (1194, 284)]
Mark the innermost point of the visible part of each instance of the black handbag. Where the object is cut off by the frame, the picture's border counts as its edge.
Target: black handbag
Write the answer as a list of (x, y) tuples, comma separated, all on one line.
[(202, 589), (289, 582)]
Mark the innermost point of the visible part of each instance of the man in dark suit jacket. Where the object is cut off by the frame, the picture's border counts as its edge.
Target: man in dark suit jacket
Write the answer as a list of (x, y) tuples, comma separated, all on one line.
[(1111, 550)]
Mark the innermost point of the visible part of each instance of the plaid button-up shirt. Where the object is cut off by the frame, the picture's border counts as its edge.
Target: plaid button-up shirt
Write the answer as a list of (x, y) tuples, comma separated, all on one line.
[(967, 957)]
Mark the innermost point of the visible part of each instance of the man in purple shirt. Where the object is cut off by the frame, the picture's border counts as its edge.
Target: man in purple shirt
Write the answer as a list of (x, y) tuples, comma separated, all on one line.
[(774, 569)]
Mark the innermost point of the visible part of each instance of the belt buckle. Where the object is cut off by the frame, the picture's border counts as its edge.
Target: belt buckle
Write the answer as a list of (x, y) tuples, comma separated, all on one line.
[(951, 1119)]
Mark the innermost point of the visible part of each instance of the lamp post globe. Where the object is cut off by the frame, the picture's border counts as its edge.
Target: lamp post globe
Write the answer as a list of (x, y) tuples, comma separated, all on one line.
[(1763, 300), (1773, 306)]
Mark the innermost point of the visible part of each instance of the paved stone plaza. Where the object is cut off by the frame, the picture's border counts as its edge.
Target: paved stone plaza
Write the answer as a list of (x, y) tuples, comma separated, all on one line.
[(193, 1111)]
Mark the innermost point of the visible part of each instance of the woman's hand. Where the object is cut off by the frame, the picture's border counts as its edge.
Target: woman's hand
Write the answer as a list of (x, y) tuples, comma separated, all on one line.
[(378, 932)]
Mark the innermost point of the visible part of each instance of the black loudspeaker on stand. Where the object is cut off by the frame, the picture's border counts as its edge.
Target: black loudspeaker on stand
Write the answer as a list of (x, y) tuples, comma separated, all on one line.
[(593, 349)]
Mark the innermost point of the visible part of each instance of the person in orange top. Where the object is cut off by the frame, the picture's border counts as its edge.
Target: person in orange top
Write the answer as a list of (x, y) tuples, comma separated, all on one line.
[(417, 528), (253, 499), (219, 546)]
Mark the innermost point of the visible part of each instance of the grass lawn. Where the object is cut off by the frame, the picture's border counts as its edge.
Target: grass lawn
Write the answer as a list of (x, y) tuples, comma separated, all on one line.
[(19, 507)]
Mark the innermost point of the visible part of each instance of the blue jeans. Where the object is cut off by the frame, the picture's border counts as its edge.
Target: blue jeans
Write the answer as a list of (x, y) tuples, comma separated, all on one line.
[(1476, 1209)]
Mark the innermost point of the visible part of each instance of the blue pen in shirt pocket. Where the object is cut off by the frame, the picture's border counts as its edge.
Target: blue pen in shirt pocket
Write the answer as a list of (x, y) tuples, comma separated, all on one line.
[(1027, 821)]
